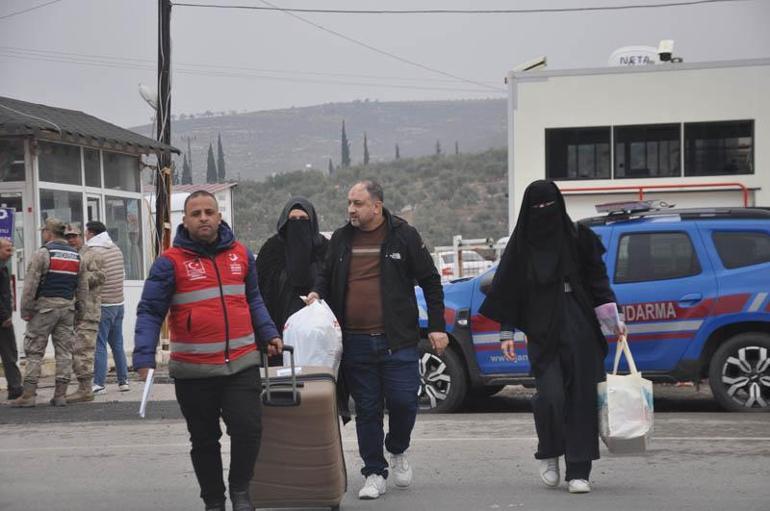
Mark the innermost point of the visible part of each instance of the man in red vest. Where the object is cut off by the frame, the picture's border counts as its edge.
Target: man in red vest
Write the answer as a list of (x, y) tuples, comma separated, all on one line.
[(208, 283)]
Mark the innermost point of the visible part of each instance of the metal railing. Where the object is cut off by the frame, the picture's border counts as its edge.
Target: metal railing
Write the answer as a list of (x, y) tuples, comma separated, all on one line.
[(641, 188)]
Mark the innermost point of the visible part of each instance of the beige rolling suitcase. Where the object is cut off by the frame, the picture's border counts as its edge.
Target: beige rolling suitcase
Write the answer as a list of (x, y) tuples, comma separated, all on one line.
[(300, 462)]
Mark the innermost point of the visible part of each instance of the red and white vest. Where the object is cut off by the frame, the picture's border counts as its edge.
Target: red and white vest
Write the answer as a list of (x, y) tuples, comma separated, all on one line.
[(210, 321)]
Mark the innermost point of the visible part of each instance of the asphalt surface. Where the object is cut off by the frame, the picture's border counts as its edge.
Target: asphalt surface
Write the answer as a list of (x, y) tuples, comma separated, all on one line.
[(102, 456)]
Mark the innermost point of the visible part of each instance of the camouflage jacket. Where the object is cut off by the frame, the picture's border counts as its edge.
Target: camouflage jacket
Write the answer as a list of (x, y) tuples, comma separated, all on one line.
[(93, 263), (36, 269)]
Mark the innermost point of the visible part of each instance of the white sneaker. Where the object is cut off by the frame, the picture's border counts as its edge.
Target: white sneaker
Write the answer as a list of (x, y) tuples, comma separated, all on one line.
[(123, 387), (549, 472), (373, 487), (402, 472), (98, 389), (579, 486)]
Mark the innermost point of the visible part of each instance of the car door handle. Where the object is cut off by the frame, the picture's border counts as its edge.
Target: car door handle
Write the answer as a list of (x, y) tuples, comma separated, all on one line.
[(690, 299)]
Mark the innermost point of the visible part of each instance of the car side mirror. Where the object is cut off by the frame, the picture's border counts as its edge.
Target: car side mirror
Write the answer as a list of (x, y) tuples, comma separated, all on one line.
[(486, 281)]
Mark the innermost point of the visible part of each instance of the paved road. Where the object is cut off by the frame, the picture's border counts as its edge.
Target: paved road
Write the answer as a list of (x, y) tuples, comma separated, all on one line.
[(101, 456)]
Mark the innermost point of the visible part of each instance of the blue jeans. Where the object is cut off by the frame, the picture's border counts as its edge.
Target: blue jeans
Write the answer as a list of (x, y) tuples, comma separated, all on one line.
[(110, 332), (374, 376)]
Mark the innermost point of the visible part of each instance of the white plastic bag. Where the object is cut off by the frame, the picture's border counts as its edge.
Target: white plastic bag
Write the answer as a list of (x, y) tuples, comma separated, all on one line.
[(316, 336), (625, 407)]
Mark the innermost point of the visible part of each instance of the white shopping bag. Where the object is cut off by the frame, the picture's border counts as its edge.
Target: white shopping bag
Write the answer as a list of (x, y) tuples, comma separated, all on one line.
[(625, 407), (316, 336)]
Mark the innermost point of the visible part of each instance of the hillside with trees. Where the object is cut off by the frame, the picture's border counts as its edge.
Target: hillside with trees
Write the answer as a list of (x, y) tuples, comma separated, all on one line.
[(442, 195), (256, 145)]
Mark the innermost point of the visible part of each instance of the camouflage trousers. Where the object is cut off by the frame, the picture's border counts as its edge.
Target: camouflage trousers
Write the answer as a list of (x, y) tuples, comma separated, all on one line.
[(83, 350), (56, 322)]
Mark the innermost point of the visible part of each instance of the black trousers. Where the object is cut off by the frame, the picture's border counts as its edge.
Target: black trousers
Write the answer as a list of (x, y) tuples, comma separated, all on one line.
[(10, 356), (565, 405), (236, 399)]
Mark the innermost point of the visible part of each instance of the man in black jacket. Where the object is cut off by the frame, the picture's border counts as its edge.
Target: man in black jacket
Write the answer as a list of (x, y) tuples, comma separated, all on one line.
[(368, 280), (8, 351)]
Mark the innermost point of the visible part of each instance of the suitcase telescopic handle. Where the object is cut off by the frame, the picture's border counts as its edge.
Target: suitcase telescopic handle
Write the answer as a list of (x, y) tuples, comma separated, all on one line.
[(280, 397)]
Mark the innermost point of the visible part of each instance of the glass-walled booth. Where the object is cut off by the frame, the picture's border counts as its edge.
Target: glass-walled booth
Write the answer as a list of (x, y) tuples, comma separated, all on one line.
[(76, 177)]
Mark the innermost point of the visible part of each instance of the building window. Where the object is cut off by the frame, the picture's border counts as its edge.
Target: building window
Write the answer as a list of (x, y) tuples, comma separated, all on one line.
[(66, 206), (59, 163), (121, 172), (719, 148), (11, 160), (123, 221), (645, 257), (739, 249), (577, 153), (93, 167), (647, 151)]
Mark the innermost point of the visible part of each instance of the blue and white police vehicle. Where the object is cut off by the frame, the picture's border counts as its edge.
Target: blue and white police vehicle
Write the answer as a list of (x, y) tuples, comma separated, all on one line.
[(693, 286)]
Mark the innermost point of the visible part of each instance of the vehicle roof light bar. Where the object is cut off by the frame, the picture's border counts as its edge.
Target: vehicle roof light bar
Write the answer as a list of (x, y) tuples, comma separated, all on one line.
[(631, 207)]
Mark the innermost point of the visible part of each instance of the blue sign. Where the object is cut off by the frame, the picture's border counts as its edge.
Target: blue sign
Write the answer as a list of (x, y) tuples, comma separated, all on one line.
[(6, 223)]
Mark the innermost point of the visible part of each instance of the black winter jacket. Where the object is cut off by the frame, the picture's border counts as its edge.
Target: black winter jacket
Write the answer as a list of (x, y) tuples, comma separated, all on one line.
[(404, 261)]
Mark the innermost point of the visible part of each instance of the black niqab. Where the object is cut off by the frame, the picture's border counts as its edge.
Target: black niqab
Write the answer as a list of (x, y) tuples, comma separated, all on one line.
[(528, 289), (298, 237)]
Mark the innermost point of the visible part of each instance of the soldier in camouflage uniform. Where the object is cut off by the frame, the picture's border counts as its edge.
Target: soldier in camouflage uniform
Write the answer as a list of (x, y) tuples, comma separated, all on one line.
[(54, 282), (86, 328)]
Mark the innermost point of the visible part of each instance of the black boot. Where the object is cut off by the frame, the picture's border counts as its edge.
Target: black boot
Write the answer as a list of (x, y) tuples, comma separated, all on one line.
[(241, 500)]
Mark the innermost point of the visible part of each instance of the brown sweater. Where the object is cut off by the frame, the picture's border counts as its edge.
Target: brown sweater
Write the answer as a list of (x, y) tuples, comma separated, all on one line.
[(363, 304)]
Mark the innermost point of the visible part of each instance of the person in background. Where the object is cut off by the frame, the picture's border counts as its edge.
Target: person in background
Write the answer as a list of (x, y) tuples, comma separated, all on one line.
[(552, 284), (87, 327), (112, 308), (8, 351), (54, 288)]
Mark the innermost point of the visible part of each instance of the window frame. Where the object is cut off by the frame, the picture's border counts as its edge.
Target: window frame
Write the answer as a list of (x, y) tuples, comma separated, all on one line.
[(101, 192), (576, 130), (716, 232), (688, 158), (627, 150), (649, 233)]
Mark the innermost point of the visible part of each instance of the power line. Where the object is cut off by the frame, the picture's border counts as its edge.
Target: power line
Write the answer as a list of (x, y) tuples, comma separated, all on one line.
[(11, 14), (386, 53), (119, 59), (224, 74), (460, 11)]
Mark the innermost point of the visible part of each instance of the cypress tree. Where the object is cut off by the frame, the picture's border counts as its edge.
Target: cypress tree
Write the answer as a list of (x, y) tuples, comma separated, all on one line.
[(221, 174), (189, 161), (331, 167), (366, 150), (211, 167), (438, 148), (457, 148), (345, 156), (186, 172), (398, 153)]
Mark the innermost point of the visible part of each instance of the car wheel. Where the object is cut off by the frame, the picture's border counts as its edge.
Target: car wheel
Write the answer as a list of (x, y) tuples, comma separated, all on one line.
[(739, 373), (443, 380)]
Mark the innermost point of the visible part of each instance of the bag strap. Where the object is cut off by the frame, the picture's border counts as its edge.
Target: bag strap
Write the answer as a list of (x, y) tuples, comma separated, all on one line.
[(622, 347)]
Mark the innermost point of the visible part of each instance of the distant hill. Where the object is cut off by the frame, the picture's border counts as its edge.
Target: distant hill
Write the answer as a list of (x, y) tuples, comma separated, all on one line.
[(259, 144), (441, 196)]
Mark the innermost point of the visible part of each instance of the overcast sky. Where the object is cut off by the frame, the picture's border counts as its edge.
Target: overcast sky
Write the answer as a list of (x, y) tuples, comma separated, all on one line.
[(90, 55)]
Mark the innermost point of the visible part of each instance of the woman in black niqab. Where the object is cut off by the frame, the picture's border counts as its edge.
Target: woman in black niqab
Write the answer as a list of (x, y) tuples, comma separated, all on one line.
[(549, 282), (289, 260)]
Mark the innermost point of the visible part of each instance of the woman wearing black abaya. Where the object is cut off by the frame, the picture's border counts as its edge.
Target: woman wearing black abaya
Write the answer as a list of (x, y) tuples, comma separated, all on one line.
[(552, 284), (288, 262)]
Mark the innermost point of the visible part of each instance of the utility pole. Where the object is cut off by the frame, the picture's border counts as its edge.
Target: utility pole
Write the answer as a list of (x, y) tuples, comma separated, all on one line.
[(163, 177)]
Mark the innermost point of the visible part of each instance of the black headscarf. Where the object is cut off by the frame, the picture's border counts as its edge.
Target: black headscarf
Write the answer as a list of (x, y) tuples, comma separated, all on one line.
[(288, 262), (528, 289)]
